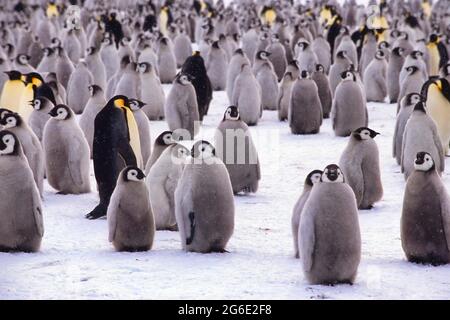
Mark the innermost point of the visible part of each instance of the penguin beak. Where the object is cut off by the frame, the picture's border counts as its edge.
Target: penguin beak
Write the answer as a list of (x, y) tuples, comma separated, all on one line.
[(419, 160), (332, 175), (53, 113), (141, 175)]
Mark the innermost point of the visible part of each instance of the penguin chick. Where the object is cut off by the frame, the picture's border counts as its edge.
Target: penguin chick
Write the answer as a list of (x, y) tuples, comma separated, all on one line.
[(234, 68), (163, 141), (425, 221), (130, 217), (77, 87), (311, 179), (269, 86), (152, 93), (323, 86), (360, 163), (22, 226), (204, 203), (30, 143), (374, 78), (181, 109), (40, 115), (235, 147), (329, 236), (167, 64), (284, 95), (216, 66), (66, 153), (162, 181)]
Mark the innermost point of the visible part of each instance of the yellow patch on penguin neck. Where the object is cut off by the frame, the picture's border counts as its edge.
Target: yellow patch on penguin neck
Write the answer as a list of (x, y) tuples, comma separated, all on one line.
[(120, 103), (37, 82)]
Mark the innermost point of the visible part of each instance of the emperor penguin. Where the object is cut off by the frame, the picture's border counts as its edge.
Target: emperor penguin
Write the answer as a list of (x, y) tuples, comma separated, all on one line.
[(341, 63), (247, 96), (311, 179), (130, 218), (129, 83), (152, 93), (277, 56), (396, 60), (110, 57), (216, 66), (425, 221), (22, 226), (269, 86), (143, 124), (77, 87), (323, 85), (346, 44), (12, 91), (329, 234), (306, 57), (415, 58), (181, 109), (94, 105), (21, 64), (360, 163), (182, 47), (116, 145), (413, 82), (305, 110), (162, 181), (438, 55), (66, 153), (421, 135), (238, 59), (64, 67), (204, 203), (30, 143), (374, 78), (437, 97), (406, 108), (368, 51), (235, 147), (195, 67), (96, 67), (48, 62), (163, 141), (349, 110), (261, 58), (284, 95), (321, 48), (167, 64), (40, 115)]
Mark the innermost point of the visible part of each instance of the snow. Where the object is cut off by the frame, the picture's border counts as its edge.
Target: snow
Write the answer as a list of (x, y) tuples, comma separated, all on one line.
[(77, 262)]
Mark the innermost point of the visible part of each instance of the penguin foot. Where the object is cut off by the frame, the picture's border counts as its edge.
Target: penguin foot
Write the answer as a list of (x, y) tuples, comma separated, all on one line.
[(97, 213)]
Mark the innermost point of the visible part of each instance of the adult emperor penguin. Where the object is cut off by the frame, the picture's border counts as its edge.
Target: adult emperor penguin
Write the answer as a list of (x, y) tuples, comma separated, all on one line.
[(162, 181), (195, 67), (235, 147), (115, 133), (323, 85), (311, 179), (66, 153), (22, 226), (438, 55), (305, 110), (30, 143), (94, 105), (374, 78), (163, 141), (437, 97), (130, 218), (425, 222), (284, 95), (341, 63), (396, 60), (142, 122), (349, 110), (216, 66), (406, 108), (152, 93), (40, 115), (234, 68), (12, 91), (269, 86), (329, 235), (181, 109), (204, 203), (78, 87), (421, 135), (247, 96), (360, 163)]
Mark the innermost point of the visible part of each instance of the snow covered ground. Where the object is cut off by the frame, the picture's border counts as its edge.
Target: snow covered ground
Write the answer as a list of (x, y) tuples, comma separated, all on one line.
[(77, 262)]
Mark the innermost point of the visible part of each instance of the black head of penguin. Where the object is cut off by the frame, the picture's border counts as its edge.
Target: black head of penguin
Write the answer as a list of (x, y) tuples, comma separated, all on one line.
[(422, 158), (90, 51), (8, 139), (34, 78), (320, 68), (4, 111), (446, 69), (232, 113), (215, 45), (132, 174), (383, 45), (165, 139), (126, 60), (61, 112), (136, 104), (332, 173), (398, 51), (412, 69), (348, 75), (413, 97), (441, 83), (379, 55), (416, 54), (262, 55), (294, 64), (14, 75), (308, 180), (48, 51), (239, 51), (433, 38), (341, 54), (200, 147), (22, 59), (11, 120), (94, 89), (39, 103), (364, 133)]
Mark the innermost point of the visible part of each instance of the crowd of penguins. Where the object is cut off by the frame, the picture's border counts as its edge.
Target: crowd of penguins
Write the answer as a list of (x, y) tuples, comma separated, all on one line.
[(107, 60)]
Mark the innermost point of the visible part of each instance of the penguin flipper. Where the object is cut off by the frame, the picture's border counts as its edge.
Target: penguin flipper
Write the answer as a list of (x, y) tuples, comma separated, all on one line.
[(445, 214), (192, 228), (126, 152), (112, 224), (37, 213), (74, 162), (308, 237), (440, 148)]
